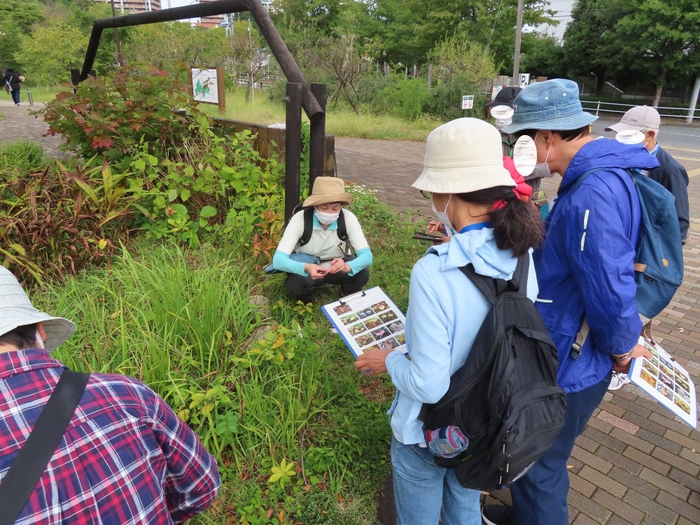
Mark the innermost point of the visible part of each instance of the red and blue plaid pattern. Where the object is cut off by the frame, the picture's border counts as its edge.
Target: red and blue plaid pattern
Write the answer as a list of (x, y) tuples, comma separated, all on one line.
[(126, 458)]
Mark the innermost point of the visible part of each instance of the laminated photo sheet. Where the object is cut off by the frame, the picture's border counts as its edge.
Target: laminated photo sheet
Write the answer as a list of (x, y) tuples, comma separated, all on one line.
[(666, 381), (368, 320)]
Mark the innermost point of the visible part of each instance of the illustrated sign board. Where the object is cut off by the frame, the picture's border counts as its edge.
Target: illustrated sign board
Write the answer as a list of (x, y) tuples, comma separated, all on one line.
[(207, 86), (524, 79), (467, 101)]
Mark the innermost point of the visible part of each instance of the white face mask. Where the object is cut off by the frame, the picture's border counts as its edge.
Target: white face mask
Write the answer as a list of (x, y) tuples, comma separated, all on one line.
[(39, 340), (442, 216), (503, 116), (326, 218)]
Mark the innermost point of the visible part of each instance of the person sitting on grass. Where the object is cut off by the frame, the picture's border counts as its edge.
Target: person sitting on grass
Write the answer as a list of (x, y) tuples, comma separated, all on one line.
[(324, 258)]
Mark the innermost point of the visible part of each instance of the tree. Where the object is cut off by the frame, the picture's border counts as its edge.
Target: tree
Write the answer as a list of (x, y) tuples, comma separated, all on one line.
[(461, 67), (167, 45), (16, 19), (411, 28), (338, 56), (248, 56), (543, 56), (585, 38), (660, 40), (51, 51)]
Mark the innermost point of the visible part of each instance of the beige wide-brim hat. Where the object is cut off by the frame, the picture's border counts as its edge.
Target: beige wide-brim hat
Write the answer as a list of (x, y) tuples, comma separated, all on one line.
[(463, 156), (327, 190), (16, 310)]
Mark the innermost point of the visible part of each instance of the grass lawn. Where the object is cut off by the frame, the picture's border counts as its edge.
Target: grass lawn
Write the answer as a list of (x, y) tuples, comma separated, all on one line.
[(340, 121)]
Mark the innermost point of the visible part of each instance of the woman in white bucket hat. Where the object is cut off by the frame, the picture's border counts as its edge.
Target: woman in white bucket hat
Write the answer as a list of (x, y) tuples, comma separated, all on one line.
[(475, 197)]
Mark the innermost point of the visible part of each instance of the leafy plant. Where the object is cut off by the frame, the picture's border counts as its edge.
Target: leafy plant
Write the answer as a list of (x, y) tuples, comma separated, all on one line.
[(58, 220)]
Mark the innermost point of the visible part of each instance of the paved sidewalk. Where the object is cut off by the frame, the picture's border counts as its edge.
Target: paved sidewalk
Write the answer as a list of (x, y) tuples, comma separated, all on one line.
[(18, 124), (634, 463)]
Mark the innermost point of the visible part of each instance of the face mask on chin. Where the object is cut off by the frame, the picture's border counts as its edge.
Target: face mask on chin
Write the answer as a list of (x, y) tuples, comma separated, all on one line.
[(442, 216), (326, 218), (541, 170)]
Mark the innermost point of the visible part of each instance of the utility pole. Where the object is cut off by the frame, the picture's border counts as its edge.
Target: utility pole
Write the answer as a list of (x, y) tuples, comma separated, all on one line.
[(116, 38), (693, 101), (518, 35)]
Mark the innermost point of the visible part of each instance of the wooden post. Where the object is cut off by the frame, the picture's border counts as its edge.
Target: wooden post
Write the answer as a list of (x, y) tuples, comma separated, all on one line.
[(293, 149), (221, 90), (318, 132)]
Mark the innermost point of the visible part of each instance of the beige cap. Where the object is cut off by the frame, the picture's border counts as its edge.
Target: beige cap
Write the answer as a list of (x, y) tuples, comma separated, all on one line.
[(638, 118), (463, 156), (328, 189)]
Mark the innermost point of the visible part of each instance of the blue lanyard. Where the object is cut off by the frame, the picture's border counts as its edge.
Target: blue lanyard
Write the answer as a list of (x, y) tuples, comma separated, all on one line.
[(477, 226), (655, 150)]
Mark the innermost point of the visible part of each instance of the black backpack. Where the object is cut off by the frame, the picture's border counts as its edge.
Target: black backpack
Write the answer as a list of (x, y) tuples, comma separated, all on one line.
[(309, 226), (505, 398)]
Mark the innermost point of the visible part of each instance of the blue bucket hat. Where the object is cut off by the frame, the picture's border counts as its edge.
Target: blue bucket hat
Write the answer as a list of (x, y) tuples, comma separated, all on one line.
[(552, 104)]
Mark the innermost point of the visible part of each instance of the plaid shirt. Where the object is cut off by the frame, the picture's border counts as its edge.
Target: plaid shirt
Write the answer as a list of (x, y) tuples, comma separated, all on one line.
[(126, 458)]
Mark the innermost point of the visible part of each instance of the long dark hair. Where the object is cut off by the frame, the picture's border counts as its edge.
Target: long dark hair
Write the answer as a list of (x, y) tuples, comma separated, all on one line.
[(517, 225)]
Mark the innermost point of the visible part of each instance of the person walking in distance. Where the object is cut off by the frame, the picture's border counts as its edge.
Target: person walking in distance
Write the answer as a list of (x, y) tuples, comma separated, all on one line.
[(13, 81)]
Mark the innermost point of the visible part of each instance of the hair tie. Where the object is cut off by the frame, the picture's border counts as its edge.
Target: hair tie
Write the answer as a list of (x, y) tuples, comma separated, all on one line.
[(499, 204)]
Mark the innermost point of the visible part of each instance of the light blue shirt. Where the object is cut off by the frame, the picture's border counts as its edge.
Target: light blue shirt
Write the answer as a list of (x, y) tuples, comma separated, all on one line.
[(445, 312)]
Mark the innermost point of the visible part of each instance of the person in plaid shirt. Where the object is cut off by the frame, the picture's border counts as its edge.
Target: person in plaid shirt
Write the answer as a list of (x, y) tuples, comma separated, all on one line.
[(126, 458)]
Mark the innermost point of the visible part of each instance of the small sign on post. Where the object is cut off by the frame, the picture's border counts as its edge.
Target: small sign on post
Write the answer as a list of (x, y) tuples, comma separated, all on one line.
[(524, 80), (207, 85), (467, 101)]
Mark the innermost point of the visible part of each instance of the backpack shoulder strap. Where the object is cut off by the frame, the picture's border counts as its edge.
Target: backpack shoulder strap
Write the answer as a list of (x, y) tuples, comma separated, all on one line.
[(32, 459), (342, 228), (308, 226), (581, 178), (492, 288)]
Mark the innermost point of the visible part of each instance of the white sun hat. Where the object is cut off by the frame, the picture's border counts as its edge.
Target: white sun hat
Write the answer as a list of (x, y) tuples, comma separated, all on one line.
[(463, 156), (16, 310)]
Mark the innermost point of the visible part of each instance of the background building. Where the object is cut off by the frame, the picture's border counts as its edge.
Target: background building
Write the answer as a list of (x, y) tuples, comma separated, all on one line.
[(134, 6)]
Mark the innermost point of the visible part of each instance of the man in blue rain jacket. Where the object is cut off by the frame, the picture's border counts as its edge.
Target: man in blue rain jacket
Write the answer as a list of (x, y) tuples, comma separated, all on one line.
[(586, 278)]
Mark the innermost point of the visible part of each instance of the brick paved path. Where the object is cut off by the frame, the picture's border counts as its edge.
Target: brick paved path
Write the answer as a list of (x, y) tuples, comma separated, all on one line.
[(17, 124), (634, 463)]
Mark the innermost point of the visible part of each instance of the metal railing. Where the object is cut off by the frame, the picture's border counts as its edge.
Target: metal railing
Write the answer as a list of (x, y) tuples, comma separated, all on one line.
[(604, 107)]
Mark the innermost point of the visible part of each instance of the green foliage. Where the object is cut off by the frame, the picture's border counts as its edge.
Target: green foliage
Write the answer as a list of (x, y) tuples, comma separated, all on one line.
[(51, 51), (169, 46), (16, 19), (660, 40), (188, 177), (114, 116), (403, 98), (56, 221), (542, 57), (20, 157)]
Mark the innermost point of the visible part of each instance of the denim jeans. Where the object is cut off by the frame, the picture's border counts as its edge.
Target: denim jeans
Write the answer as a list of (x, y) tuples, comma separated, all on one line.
[(539, 497), (15, 96), (421, 489)]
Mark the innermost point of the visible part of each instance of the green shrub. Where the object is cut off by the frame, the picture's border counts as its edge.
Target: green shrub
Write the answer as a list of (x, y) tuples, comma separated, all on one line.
[(403, 98), (117, 115), (54, 222)]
